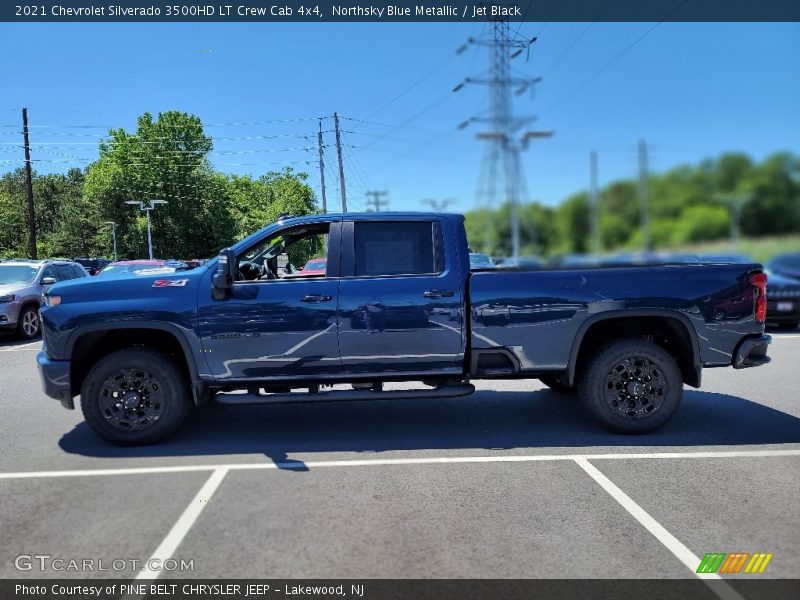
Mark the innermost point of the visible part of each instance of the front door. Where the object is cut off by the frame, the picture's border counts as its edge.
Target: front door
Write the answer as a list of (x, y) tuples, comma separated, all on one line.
[(278, 322)]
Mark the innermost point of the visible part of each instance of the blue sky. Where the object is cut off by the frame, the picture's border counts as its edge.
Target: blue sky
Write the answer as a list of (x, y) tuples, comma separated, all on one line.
[(691, 90)]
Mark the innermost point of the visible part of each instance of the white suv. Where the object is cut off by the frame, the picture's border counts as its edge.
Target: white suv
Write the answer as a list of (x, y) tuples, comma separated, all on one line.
[(22, 283)]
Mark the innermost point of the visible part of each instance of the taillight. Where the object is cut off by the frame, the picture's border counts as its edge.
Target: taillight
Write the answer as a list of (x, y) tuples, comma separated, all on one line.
[(759, 281)]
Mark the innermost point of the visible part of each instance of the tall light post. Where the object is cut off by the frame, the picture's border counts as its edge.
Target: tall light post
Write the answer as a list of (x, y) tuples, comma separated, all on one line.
[(147, 210), (113, 236)]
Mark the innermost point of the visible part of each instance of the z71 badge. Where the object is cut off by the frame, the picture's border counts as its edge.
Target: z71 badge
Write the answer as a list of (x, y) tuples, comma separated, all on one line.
[(170, 282)]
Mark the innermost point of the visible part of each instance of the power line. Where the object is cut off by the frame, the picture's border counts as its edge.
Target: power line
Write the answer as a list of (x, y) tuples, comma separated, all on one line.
[(375, 203)]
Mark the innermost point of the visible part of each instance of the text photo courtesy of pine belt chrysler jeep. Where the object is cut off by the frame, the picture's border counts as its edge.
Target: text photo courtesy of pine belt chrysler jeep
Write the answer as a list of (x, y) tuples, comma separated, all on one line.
[(395, 302)]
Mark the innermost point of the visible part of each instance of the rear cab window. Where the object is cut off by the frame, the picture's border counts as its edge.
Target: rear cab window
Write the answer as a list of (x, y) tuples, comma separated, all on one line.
[(397, 248)]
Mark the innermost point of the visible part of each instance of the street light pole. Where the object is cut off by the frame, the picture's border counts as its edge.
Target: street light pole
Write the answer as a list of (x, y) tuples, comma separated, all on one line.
[(147, 210), (113, 236)]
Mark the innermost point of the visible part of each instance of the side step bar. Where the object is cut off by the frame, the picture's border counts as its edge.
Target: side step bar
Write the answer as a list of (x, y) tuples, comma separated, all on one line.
[(449, 391)]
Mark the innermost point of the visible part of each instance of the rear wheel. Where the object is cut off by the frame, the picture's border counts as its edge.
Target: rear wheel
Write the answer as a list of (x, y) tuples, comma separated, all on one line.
[(631, 386), (135, 396), (557, 384)]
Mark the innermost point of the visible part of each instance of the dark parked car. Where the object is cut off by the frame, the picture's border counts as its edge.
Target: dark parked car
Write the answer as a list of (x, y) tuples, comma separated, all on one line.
[(787, 265), (783, 301), (93, 265)]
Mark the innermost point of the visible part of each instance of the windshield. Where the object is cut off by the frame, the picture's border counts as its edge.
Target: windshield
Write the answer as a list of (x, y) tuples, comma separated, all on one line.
[(10, 274)]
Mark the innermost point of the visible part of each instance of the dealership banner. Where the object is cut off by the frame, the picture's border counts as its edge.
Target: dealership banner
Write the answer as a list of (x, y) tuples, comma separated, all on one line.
[(396, 589), (402, 10)]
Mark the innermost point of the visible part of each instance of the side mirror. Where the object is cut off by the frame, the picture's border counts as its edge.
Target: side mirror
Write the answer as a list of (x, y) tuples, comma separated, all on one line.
[(48, 280), (222, 281)]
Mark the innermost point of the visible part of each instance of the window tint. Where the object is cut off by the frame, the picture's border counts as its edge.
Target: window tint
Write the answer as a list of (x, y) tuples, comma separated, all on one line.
[(398, 248), (65, 272), (50, 271), (78, 271)]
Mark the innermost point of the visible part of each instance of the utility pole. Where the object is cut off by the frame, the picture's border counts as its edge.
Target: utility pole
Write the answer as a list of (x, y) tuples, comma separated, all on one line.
[(643, 191), (147, 210), (376, 203), (341, 165), (594, 203), (322, 169), (505, 136), (113, 236), (29, 186), (439, 205)]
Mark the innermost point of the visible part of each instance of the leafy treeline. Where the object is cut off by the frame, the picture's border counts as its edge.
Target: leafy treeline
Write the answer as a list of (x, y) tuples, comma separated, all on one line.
[(166, 158), (688, 204)]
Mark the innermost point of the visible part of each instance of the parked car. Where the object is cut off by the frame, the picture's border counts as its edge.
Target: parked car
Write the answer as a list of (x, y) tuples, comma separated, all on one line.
[(315, 266), (193, 263), (783, 301), (22, 283), (480, 261), (521, 262), (93, 265), (398, 303), (787, 265), (143, 266)]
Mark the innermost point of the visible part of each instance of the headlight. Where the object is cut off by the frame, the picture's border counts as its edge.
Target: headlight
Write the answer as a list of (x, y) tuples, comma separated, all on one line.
[(52, 300), (7, 298)]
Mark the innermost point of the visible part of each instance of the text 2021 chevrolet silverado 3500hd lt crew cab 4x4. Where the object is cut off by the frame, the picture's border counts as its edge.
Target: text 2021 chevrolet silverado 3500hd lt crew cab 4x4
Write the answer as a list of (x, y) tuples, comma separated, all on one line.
[(396, 302)]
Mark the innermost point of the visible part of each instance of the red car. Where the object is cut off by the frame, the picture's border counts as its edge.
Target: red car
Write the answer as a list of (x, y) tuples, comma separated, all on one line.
[(143, 267), (315, 266)]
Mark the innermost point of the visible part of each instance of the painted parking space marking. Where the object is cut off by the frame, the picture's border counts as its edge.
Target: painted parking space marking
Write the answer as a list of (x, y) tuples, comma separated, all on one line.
[(22, 347), (673, 544), (166, 549), (299, 464)]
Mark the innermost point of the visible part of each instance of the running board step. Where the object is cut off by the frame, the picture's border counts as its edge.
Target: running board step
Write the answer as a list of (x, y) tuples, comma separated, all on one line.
[(449, 391)]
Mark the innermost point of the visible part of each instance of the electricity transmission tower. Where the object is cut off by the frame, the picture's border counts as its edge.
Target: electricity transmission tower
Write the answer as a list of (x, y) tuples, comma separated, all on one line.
[(439, 205), (506, 137), (375, 203)]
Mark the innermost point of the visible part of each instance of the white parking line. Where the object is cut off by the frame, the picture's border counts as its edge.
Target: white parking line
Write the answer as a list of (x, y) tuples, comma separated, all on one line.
[(433, 460), (182, 526), (673, 544), (20, 347)]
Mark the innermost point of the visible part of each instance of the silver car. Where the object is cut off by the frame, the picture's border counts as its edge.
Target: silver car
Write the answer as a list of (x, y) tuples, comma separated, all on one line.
[(22, 283)]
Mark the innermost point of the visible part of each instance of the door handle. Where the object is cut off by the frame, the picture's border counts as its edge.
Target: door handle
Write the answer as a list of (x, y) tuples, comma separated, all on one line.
[(438, 294), (316, 298)]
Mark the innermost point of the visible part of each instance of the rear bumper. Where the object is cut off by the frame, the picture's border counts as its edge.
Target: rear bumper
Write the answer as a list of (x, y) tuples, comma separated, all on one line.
[(55, 379), (752, 352)]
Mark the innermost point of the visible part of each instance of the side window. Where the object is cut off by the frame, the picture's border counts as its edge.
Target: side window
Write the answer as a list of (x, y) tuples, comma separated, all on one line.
[(78, 271), (50, 271), (396, 248), (65, 272), (300, 252)]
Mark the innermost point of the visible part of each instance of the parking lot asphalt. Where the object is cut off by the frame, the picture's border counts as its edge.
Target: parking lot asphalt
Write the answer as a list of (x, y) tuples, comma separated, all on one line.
[(514, 481)]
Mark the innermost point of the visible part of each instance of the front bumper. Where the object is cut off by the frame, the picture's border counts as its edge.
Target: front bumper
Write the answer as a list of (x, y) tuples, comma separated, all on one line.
[(9, 313), (55, 379), (752, 352)]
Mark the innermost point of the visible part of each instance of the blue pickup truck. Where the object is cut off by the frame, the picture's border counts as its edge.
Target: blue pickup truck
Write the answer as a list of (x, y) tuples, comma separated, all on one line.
[(395, 302)]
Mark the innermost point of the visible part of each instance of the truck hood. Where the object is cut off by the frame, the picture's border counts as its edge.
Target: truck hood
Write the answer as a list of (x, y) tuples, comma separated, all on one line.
[(147, 285)]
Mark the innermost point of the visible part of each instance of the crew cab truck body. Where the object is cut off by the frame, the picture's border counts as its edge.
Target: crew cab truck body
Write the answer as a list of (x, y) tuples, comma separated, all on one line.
[(397, 302)]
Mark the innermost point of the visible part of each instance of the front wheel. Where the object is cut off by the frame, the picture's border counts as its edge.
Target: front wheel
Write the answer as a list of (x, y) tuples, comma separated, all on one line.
[(30, 325), (631, 386), (135, 396)]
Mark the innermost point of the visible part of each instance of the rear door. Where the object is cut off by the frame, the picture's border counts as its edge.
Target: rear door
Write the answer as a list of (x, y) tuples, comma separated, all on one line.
[(401, 297)]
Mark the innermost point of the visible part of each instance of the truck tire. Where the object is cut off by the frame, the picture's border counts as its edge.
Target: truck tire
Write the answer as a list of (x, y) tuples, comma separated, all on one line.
[(554, 383), (30, 325), (135, 396), (631, 386)]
